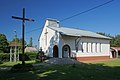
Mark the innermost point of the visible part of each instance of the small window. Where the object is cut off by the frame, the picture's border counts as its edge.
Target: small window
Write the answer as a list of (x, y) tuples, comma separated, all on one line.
[(65, 49), (100, 47), (95, 47), (82, 46), (87, 47), (91, 47)]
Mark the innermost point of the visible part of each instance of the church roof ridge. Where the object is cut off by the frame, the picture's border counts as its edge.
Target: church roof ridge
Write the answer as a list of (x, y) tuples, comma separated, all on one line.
[(75, 28), (77, 32)]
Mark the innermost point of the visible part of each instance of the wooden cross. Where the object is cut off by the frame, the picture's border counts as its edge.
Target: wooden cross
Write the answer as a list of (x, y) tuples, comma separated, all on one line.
[(46, 36), (23, 21)]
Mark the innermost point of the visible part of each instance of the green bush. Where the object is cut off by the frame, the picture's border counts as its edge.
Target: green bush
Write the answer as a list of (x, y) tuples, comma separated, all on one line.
[(1, 62), (31, 55), (41, 56), (1, 51), (26, 57), (4, 57), (22, 68)]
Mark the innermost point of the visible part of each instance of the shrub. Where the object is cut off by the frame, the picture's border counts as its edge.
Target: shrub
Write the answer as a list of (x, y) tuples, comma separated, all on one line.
[(31, 55), (25, 56), (41, 56), (1, 62), (4, 57), (22, 68), (28, 56)]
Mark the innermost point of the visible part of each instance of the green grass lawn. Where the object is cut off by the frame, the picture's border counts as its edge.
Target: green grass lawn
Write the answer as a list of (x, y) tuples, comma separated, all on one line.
[(13, 63), (108, 70), (115, 62)]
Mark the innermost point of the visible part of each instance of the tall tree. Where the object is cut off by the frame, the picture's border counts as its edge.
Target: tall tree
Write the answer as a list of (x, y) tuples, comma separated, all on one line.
[(18, 41), (115, 41), (31, 43), (3, 43)]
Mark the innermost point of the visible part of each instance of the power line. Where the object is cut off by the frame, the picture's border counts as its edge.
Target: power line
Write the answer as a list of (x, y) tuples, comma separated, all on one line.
[(78, 14), (87, 10), (33, 30)]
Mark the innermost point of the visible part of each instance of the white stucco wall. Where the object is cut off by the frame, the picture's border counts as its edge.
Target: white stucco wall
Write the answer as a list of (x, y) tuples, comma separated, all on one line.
[(52, 38), (105, 47)]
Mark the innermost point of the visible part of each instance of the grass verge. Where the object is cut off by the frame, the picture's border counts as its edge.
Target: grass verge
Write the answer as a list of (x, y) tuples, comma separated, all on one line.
[(93, 71), (10, 64)]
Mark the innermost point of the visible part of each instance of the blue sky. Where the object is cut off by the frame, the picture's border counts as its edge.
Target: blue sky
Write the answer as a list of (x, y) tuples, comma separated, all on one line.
[(103, 19)]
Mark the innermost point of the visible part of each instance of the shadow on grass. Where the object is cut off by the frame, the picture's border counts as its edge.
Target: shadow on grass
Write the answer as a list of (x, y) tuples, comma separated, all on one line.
[(65, 72), (81, 72)]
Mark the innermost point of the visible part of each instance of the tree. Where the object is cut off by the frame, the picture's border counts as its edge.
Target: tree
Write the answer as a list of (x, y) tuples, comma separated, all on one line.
[(18, 41), (31, 43), (115, 41), (3, 43)]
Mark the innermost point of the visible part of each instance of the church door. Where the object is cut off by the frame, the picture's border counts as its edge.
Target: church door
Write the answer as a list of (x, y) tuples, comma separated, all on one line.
[(55, 51), (66, 51)]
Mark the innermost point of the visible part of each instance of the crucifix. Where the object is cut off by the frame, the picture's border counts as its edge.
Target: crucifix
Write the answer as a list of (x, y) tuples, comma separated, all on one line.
[(46, 37), (23, 21)]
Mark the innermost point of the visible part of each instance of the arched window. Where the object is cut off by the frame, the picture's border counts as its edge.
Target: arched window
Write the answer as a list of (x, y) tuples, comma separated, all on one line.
[(89, 47), (66, 51)]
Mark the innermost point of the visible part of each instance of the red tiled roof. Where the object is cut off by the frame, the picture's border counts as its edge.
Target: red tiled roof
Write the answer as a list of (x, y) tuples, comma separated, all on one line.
[(14, 45), (117, 48)]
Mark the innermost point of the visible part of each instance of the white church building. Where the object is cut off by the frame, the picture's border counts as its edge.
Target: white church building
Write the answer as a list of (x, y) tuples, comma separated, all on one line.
[(83, 45)]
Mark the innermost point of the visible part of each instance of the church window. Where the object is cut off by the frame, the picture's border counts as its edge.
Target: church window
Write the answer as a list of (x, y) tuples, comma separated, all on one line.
[(82, 46), (87, 47), (95, 47), (65, 49), (91, 47), (100, 47)]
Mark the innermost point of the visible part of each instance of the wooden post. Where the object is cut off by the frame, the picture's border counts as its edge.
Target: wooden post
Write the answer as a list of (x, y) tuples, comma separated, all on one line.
[(23, 21)]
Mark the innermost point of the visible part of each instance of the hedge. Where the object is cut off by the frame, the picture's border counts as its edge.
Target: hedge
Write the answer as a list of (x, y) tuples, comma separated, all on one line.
[(31, 55), (4, 57)]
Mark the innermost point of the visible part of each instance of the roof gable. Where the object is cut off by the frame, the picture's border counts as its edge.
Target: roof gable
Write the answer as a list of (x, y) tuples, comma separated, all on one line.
[(49, 22)]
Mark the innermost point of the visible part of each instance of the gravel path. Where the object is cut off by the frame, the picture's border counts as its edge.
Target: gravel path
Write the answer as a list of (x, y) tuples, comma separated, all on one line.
[(61, 61), (5, 68), (58, 61), (51, 61)]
